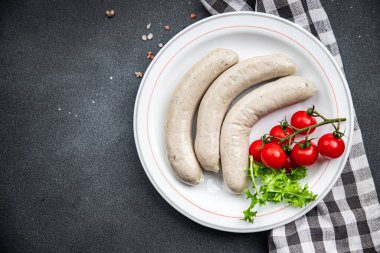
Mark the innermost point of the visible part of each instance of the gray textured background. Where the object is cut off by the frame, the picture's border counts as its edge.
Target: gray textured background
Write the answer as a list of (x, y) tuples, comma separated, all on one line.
[(70, 179)]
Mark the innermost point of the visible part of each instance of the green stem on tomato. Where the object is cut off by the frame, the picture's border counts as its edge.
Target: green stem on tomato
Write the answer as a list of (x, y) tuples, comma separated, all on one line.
[(290, 142), (324, 122), (337, 128), (317, 114)]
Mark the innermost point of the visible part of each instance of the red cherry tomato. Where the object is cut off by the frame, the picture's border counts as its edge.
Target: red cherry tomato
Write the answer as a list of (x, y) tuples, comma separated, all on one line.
[(330, 146), (255, 150), (301, 119), (279, 133), (289, 164), (273, 156), (304, 155)]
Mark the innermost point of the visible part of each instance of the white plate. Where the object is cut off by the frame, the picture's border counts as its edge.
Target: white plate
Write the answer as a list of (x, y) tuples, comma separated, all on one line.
[(249, 34)]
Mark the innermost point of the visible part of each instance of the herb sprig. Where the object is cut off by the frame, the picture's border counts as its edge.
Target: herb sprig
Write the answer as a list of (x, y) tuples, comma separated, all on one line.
[(276, 186)]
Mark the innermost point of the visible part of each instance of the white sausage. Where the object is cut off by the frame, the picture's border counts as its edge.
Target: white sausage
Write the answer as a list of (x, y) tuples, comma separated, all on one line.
[(182, 106), (223, 91), (244, 114)]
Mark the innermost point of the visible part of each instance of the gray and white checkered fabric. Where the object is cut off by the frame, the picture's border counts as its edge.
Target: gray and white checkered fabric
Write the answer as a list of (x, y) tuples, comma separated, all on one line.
[(348, 218)]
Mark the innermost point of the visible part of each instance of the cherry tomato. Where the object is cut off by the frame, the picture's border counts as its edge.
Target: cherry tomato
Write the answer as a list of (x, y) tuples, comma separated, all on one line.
[(289, 164), (301, 119), (304, 154), (279, 133), (330, 146), (273, 156), (255, 150)]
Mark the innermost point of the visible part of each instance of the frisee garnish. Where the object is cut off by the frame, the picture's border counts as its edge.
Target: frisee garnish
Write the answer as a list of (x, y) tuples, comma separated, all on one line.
[(276, 186)]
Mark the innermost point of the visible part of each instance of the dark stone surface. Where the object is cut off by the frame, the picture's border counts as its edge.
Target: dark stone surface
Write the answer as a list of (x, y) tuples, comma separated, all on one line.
[(70, 179)]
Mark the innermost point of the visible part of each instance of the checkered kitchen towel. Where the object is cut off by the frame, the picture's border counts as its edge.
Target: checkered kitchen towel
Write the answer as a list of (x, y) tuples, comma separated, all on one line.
[(348, 219)]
